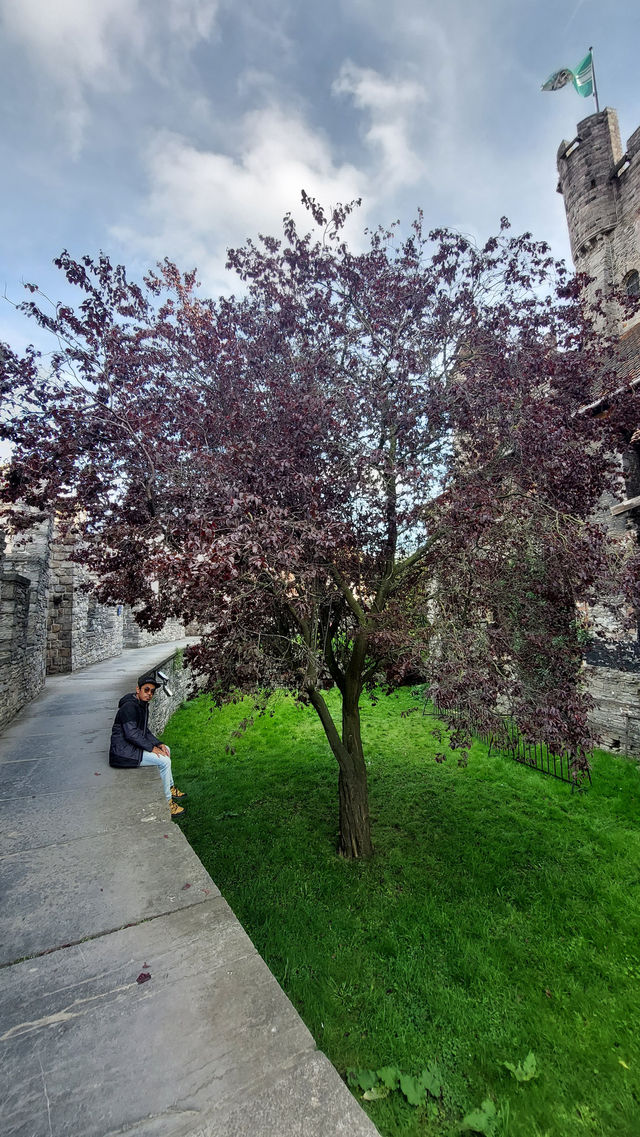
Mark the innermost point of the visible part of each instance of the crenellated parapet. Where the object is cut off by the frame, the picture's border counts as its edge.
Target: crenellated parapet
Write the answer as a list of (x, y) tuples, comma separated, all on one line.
[(600, 183)]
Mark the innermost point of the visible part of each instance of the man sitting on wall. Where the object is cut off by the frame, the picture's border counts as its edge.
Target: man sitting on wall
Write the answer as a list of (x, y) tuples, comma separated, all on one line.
[(133, 744)]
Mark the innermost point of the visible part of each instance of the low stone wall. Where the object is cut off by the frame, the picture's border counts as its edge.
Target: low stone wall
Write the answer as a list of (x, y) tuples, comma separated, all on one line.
[(97, 631), (182, 682), (51, 622), (616, 715), (21, 663), (135, 636)]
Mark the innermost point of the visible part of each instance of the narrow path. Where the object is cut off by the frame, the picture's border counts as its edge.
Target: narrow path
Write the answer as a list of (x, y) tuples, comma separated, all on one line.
[(99, 887)]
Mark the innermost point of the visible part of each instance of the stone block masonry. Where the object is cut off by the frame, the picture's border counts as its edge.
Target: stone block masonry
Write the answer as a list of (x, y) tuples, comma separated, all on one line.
[(80, 631), (24, 590), (181, 682), (21, 670), (60, 610), (96, 628), (615, 715), (600, 182), (601, 187), (135, 636), (50, 621)]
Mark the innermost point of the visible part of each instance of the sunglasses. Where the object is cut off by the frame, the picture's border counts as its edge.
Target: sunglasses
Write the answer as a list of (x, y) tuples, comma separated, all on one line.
[(147, 689)]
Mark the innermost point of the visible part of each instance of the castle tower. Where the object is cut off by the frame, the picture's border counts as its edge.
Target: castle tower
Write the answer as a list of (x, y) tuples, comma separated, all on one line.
[(601, 187)]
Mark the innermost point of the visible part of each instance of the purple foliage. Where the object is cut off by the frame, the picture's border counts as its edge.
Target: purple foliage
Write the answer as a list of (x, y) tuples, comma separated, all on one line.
[(366, 467)]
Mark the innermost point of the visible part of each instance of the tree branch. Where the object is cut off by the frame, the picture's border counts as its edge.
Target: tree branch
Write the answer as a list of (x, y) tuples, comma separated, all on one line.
[(347, 592), (330, 729)]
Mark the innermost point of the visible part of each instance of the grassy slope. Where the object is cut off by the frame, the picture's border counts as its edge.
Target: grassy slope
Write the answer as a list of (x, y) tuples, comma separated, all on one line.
[(499, 915)]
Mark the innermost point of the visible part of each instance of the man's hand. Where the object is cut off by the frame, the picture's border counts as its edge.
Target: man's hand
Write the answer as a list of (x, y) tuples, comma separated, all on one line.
[(161, 750)]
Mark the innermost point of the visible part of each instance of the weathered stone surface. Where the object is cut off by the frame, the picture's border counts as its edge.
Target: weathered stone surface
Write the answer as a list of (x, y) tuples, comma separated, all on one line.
[(135, 636), (86, 886), (600, 183), (36, 821), (615, 715), (80, 630), (181, 682), (210, 1044), (314, 1106), (24, 589)]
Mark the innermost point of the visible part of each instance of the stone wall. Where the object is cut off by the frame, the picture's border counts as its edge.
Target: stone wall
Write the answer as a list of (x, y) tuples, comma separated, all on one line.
[(97, 628), (60, 610), (600, 182), (135, 636), (615, 715), (51, 622), (80, 629), (182, 682), (601, 187), (24, 590)]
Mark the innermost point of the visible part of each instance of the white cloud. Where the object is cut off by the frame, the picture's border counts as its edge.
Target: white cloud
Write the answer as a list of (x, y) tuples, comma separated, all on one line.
[(201, 202), (392, 106), (85, 46), (192, 20), (444, 122)]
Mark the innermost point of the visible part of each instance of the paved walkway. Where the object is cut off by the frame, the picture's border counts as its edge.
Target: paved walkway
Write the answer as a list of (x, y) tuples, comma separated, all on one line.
[(99, 886)]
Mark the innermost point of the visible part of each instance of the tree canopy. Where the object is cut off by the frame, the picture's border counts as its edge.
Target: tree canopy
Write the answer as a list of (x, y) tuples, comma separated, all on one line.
[(364, 468)]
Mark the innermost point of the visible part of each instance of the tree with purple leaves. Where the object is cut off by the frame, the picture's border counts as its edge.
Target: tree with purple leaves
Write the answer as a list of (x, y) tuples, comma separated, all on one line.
[(367, 467)]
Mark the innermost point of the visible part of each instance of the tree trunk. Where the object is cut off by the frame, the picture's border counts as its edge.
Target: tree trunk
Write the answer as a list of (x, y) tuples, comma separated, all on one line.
[(355, 827)]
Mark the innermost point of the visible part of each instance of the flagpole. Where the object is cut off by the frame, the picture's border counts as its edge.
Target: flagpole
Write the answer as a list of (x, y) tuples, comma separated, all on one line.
[(595, 89)]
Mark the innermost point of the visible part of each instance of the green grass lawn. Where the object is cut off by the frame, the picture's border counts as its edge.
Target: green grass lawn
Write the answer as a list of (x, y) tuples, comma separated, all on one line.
[(500, 914)]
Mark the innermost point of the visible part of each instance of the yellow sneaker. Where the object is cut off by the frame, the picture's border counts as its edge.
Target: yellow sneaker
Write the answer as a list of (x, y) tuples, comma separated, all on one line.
[(175, 809), (176, 793)]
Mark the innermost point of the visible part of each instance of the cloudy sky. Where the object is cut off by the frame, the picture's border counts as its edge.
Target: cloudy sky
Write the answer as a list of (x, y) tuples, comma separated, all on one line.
[(152, 128)]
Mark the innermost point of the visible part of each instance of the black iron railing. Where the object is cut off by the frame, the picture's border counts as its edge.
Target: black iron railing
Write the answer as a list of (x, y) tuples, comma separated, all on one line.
[(535, 755)]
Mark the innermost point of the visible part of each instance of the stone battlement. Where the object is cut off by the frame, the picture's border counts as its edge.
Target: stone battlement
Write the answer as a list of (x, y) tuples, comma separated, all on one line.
[(600, 183)]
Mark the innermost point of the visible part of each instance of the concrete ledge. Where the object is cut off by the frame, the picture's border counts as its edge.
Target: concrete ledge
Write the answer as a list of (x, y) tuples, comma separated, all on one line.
[(100, 887), (82, 888)]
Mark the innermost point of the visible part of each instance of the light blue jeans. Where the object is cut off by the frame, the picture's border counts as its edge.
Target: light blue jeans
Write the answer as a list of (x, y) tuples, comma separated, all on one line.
[(164, 768)]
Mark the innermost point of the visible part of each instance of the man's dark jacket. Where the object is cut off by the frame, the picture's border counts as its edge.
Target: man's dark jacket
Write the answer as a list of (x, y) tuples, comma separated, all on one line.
[(130, 734)]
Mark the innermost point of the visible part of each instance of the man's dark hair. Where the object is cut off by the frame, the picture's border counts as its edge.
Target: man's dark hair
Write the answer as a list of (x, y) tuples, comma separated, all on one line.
[(148, 677)]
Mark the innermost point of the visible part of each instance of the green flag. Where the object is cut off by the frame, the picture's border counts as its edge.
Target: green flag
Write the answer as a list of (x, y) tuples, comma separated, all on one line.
[(581, 77)]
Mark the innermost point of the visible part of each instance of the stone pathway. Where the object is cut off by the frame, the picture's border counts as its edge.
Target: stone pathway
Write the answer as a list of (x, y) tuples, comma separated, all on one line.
[(99, 887)]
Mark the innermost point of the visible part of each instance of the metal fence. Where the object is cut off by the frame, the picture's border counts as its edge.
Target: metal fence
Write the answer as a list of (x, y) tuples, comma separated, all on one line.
[(535, 755)]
